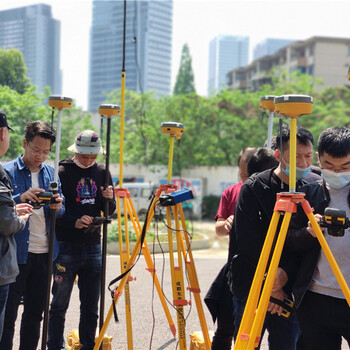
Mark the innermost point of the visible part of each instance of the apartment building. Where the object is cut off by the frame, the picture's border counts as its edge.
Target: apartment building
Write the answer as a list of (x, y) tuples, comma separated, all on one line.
[(321, 57)]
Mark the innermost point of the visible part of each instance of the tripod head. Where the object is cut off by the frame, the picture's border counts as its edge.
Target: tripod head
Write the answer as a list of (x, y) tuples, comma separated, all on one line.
[(60, 102), (293, 105), (172, 129), (267, 103), (109, 110)]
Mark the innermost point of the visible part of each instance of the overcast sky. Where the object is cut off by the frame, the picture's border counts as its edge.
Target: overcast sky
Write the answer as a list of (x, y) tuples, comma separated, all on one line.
[(196, 22)]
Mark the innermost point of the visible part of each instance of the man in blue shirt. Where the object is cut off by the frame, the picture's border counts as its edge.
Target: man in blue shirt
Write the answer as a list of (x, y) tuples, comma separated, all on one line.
[(30, 177)]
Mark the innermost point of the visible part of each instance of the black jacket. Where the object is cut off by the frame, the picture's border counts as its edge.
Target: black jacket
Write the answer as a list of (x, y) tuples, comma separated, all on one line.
[(83, 196), (253, 214), (302, 243)]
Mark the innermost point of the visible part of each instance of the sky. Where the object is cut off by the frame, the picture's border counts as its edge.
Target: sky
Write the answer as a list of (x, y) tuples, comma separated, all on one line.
[(197, 22)]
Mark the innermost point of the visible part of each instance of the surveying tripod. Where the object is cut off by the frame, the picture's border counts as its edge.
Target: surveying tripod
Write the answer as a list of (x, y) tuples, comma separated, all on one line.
[(173, 130), (250, 329), (59, 103), (124, 200)]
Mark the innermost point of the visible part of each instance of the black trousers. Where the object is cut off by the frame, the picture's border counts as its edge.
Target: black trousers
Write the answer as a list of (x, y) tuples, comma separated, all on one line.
[(31, 284), (324, 320)]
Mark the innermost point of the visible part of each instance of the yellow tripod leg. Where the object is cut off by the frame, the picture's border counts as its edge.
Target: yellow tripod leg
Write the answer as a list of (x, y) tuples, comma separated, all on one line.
[(125, 256), (118, 293), (177, 281), (192, 276), (147, 255), (244, 332), (266, 293)]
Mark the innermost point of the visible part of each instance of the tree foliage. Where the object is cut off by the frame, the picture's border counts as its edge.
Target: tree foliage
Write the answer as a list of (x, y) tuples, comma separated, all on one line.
[(29, 106), (13, 70), (217, 127), (185, 77)]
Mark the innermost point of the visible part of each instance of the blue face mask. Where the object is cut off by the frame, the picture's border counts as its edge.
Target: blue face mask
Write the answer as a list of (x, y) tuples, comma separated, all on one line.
[(300, 173), (336, 180)]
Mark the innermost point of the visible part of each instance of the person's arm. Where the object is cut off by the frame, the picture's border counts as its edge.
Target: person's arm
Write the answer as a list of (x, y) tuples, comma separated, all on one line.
[(10, 222), (249, 230), (223, 226)]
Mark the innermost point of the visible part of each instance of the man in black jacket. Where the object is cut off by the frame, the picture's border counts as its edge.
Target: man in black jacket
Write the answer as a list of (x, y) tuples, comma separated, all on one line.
[(83, 182), (252, 218), (12, 220), (322, 310)]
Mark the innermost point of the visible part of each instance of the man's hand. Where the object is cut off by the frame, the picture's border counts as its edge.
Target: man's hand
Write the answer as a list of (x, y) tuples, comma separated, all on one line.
[(309, 227), (84, 221), (280, 281), (31, 195), (274, 308), (223, 227), (59, 200), (23, 209), (108, 192)]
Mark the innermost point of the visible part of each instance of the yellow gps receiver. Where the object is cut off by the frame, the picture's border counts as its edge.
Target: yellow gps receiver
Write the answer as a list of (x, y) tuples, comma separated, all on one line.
[(109, 110), (293, 105), (60, 102), (267, 102), (173, 129)]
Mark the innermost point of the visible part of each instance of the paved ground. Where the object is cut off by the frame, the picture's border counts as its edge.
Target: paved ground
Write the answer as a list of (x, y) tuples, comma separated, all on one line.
[(150, 328)]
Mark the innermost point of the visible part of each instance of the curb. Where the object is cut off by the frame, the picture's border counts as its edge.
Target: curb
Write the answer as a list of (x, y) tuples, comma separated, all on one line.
[(202, 243)]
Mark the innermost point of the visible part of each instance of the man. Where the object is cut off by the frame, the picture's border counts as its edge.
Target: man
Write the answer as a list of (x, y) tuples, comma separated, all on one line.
[(10, 223), (219, 298), (323, 312), (30, 176), (252, 218), (83, 182)]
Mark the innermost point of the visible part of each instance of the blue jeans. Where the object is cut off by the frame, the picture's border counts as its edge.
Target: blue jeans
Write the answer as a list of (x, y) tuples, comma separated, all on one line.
[(31, 284), (4, 291), (283, 332), (86, 262)]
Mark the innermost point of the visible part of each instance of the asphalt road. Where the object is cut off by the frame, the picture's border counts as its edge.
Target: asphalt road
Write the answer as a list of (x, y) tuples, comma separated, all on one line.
[(150, 329)]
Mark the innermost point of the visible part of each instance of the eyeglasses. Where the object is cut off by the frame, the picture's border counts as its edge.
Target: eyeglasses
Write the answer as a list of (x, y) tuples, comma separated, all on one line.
[(36, 152)]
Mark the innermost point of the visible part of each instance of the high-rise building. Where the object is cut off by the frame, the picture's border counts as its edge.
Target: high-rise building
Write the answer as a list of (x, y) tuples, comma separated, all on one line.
[(226, 52), (147, 48), (269, 47), (33, 31)]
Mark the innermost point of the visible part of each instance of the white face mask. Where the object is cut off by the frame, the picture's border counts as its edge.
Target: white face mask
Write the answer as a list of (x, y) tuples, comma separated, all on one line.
[(76, 161), (336, 180)]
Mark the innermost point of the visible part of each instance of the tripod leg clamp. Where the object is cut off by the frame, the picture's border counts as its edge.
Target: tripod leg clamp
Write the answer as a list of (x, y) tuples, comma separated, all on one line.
[(286, 304)]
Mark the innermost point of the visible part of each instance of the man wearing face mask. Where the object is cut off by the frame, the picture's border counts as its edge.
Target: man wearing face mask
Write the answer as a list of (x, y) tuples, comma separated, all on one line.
[(83, 183), (253, 214), (323, 312)]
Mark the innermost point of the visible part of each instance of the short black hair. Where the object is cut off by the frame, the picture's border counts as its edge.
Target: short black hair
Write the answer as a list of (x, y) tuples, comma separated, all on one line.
[(38, 128), (335, 141), (245, 154), (262, 159), (303, 136)]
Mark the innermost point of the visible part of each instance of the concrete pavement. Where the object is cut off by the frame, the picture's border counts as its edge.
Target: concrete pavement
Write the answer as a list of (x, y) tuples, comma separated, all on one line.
[(150, 329)]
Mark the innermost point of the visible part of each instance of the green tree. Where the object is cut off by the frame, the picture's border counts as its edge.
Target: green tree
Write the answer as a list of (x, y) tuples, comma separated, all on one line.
[(22, 108), (185, 77), (13, 70)]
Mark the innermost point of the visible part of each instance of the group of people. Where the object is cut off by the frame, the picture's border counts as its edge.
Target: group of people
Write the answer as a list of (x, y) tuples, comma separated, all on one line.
[(321, 314), (25, 231)]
